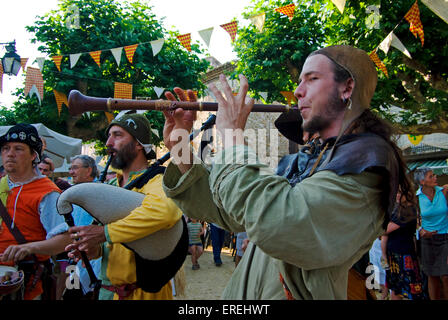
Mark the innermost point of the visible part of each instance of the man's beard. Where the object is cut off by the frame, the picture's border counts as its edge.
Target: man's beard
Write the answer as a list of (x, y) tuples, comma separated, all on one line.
[(124, 157), (323, 120)]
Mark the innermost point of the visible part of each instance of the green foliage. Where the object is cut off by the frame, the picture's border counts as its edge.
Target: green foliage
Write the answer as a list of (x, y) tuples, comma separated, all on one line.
[(104, 24), (272, 59)]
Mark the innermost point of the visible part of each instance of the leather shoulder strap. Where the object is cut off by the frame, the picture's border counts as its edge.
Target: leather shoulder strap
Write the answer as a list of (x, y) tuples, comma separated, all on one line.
[(8, 222)]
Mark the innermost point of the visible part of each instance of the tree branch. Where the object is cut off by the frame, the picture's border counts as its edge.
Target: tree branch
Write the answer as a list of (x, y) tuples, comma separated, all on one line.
[(434, 79)]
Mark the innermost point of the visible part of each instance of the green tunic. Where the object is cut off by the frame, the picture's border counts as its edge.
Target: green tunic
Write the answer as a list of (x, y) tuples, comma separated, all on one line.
[(311, 233)]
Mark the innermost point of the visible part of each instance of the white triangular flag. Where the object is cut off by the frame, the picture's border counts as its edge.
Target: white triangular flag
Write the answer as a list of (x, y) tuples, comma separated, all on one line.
[(35, 91), (385, 44), (396, 43), (156, 46), (264, 95), (206, 35), (258, 21), (74, 59), (156, 133), (392, 40), (340, 4), (40, 62), (158, 91), (117, 54), (439, 7)]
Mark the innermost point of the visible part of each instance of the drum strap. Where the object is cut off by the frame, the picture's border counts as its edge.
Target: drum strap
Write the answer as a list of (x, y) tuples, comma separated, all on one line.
[(8, 222)]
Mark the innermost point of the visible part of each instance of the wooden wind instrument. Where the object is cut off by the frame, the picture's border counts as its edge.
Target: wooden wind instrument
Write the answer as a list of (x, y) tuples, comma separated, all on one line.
[(79, 103)]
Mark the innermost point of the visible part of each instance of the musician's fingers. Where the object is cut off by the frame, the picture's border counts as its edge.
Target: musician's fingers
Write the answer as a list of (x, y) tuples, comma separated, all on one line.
[(191, 95), (170, 96), (226, 88), (180, 94), (217, 94), (244, 87)]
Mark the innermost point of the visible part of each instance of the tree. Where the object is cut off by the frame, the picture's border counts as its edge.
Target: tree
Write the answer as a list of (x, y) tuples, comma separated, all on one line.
[(104, 24), (272, 59)]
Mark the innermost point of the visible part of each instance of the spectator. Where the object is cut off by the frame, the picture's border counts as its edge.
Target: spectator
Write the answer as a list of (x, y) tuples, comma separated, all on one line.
[(217, 235), (30, 215), (433, 233), (403, 278), (84, 168), (240, 237), (46, 167), (195, 230)]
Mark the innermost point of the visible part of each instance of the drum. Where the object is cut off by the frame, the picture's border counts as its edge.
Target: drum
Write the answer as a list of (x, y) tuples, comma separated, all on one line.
[(11, 280)]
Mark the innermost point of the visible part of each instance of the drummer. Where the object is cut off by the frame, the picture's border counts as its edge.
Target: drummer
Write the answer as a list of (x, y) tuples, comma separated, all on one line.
[(28, 207)]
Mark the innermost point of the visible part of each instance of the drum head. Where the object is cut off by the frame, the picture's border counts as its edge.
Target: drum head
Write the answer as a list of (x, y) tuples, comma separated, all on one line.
[(11, 279)]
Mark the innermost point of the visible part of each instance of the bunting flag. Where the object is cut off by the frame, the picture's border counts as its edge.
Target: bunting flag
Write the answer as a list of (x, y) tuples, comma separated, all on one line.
[(130, 50), (392, 40), (1, 77), (231, 28), (258, 21), (116, 52), (40, 62), (378, 62), (109, 116), (61, 98), (158, 91), (74, 59), (264, 95), (289, 96), (185, 40), (96, 55), (57, 61), (23, 62), (34, 78), (439, 7), (415, 140), (122, 90), (287, 10), (206, 35), (340, 4), (413, 17), (156, 46), (194, 92)]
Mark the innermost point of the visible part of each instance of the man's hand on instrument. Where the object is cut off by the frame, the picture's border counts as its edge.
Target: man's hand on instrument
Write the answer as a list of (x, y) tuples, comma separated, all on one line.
[(233, 111), (178, 124), (87, 238)]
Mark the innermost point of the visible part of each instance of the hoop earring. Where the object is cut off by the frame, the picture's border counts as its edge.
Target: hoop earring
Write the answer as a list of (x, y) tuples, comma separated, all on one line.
[(349, 104)]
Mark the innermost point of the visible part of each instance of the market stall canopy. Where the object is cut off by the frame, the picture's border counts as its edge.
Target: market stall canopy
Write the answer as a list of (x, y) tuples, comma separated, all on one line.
[(59, 146)]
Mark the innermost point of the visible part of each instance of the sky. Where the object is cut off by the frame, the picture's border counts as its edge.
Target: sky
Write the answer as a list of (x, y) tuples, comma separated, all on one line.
[(185, 16)]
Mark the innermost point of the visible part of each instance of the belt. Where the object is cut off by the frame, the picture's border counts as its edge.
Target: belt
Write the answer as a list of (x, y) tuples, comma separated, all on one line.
[(123, 291)]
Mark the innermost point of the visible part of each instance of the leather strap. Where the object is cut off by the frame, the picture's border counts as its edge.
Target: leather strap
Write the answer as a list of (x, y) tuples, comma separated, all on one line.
[(8, 222)]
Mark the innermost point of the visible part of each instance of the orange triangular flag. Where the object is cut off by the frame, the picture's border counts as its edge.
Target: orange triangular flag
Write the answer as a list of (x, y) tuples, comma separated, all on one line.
[(185, 40), (1, 77), (109, 116), (288, 10), (378, 62), (289, 97), (96, 55), (194, 92), (231, 28), (130, 50), (57, 61), (23, 62), (416, 27), (34, 78), (61, 98), (122, 90)]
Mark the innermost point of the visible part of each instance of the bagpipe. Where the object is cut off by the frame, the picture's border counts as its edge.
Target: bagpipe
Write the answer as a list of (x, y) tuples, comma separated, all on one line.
[(159, 255)]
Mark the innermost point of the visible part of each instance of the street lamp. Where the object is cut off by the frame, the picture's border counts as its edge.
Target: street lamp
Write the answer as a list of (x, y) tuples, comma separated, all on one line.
[(11, 60)]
